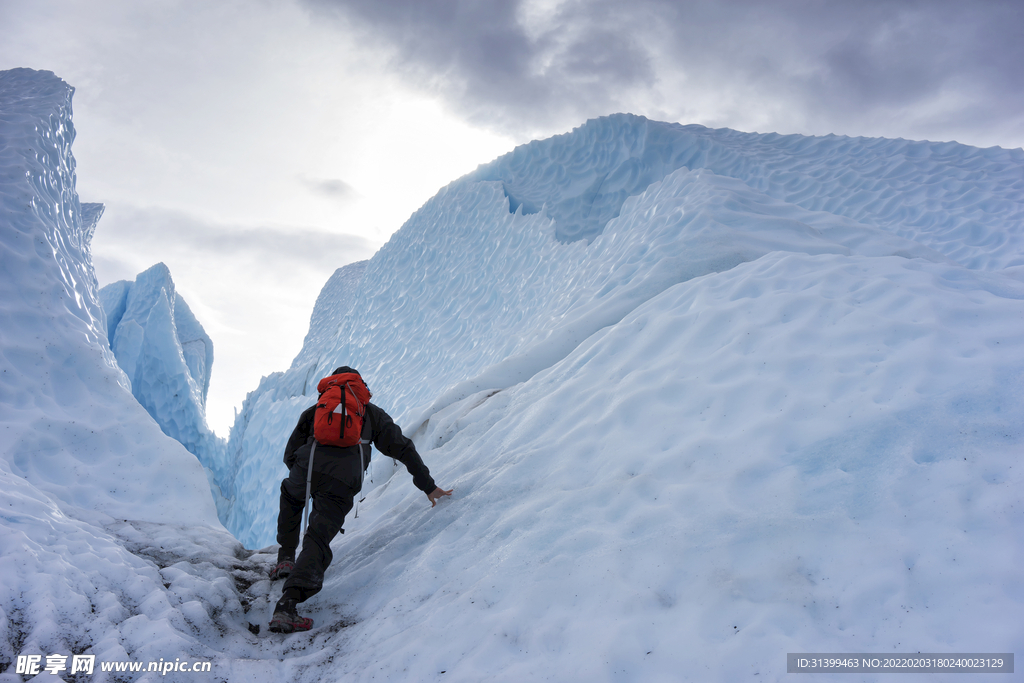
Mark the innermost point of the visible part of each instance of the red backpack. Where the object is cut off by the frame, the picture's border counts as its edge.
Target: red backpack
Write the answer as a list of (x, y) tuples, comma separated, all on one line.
[(338, 420)]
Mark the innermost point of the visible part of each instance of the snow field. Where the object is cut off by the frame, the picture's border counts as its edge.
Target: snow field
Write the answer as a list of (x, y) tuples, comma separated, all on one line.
[(763, 407), (74, 586), (719, 489)]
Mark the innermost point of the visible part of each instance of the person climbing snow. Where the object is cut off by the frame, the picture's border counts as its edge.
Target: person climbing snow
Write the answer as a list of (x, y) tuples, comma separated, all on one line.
[(327, 454)]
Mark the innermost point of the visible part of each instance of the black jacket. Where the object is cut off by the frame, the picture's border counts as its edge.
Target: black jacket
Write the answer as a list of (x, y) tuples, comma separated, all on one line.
[(344, 463)]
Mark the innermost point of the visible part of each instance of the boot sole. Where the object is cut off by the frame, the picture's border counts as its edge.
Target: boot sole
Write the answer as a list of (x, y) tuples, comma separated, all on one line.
[(281, 626), (279, 572)]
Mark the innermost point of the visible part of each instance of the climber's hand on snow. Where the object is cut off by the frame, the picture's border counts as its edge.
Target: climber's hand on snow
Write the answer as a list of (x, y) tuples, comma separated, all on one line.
[(437, 494)]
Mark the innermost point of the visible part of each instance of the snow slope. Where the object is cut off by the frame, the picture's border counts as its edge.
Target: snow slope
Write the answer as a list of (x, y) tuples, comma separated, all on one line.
[(705, 398), (470, 296)]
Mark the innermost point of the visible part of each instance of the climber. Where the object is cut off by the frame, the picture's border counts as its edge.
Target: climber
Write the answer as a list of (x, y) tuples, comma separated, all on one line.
[(327, 455)]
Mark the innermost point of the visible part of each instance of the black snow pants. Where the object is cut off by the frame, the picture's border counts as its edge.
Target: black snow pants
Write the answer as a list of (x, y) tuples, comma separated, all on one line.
[(332, 500)]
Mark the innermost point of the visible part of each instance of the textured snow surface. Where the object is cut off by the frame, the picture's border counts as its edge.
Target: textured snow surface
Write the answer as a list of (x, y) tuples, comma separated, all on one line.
[(468, 296), (77, 451), (804, 453), (165, 351), (334, 302), (961, 200), (70, 427), (705, 398)]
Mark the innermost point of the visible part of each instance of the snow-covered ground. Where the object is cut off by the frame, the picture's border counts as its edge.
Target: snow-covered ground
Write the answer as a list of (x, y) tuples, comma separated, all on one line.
[(705, 397)]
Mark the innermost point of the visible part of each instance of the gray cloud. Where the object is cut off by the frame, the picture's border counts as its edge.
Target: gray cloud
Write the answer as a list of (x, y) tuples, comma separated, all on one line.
[(872, 67), (502, 73), (128, 238), (332, 188), (895, 54)]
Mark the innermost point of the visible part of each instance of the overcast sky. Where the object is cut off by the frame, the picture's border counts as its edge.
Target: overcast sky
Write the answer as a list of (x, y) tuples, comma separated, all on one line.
[(255, 146)]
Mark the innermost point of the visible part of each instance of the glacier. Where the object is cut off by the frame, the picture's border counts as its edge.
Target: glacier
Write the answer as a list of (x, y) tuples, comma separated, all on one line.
[(532, 285), (168, 357), (68, 416), (83, 467), (754, 394), (705, 398)]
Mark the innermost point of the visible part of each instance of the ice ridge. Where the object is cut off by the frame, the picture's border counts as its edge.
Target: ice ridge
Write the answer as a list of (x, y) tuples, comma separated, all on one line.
[(968, 208), (82, 464), (71, 428), (168, 356)]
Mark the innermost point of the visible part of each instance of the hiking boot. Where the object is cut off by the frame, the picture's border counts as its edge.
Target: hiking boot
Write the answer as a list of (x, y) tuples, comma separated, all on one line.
[(287, 620), (282, 570)]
